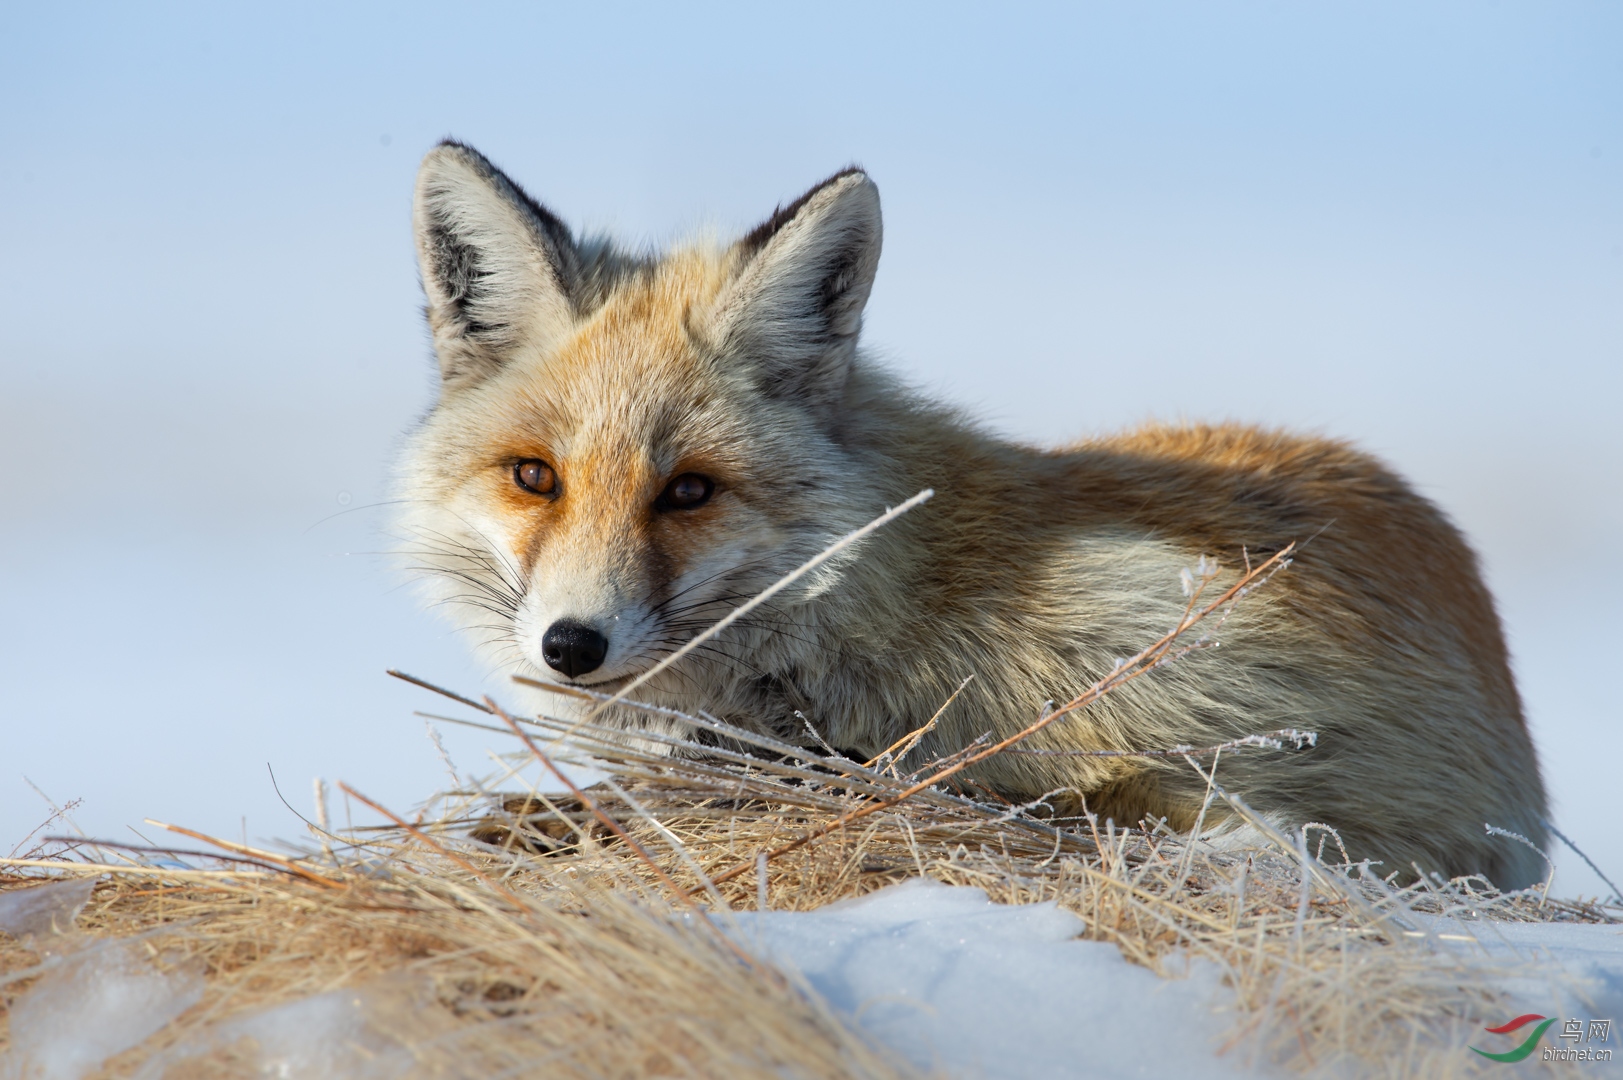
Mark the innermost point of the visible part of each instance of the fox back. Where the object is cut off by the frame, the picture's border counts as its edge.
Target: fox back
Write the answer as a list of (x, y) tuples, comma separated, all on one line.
[(628, 447)]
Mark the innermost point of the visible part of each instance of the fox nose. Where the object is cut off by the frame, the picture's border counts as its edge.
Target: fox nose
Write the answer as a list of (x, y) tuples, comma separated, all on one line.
[(573, 648)]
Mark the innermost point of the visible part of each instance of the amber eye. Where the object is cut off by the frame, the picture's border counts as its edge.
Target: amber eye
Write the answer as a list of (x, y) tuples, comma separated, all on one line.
[(536, 476), (686, 492)]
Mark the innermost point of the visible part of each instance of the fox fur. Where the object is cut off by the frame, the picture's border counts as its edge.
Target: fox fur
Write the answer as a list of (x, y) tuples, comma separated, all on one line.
[(1032, 569)]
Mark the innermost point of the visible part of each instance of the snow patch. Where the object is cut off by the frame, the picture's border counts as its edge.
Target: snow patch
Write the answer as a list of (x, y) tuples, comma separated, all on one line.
[(1562, 969), (44, 911), (90, 1001), (950, 980), (327, 1035), (955, 982)]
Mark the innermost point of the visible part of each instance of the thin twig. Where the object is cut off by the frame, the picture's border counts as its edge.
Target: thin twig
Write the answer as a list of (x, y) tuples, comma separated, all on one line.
[(435, 846), (1146, 660), (614, 826), (589, 803), (907, 742), (286, 864), (766, 594)]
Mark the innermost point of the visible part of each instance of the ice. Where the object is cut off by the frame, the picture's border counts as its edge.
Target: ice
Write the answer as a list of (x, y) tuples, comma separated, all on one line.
[(44, 911), (976, 989), (92, 1005), (91, 1000)]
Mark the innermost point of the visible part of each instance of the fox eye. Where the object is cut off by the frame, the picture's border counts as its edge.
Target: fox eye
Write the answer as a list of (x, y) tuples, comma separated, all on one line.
[(536, 476), (686, 492)]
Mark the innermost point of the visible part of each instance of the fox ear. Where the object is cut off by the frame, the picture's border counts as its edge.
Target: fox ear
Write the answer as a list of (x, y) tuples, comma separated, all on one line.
[(793, 308), (498, 268)]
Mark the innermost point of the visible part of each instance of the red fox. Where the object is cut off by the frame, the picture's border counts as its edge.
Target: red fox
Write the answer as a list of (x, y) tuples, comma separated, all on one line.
[(628, 446)]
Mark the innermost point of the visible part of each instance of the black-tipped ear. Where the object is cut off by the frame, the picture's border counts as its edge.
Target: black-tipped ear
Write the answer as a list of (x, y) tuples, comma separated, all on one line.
[(498, 268), (793, 308)]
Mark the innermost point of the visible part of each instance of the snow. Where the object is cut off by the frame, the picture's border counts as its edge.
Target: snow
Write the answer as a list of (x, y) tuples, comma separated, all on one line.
[(326, 1035), (1579, 966), (977, 989), (91, 1007), (46, 911), (941, 974), (93, 1000)]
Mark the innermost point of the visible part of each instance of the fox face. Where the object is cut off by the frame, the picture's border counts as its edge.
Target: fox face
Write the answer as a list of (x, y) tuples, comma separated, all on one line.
[(625, 448)]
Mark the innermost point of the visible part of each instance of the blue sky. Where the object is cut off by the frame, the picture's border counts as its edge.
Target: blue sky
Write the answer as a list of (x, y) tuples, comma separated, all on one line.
[(1400, 224)]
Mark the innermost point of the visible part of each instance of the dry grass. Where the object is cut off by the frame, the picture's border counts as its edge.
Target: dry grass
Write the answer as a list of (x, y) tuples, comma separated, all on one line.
[(568, 947), (585, 935), (568, 967), (1329, 963)]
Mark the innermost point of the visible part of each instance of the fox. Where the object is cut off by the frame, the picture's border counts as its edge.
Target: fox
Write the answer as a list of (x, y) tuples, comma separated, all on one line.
[(628, 445)]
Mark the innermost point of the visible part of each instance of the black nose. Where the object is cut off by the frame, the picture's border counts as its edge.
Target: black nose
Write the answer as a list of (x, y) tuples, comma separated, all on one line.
[(573, 648)]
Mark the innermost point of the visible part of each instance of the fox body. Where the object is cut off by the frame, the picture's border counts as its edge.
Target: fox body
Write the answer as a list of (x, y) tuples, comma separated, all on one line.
[(626, 448)]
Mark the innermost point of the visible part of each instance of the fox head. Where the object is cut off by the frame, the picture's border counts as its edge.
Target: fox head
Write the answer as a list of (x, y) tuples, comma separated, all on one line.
[(626, 447)]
